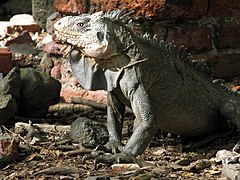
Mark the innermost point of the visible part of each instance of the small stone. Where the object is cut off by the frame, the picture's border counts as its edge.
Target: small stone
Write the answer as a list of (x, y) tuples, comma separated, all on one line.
[(8, 149), (231, 171), (214, 172), (183, 162), (158, 151), (202, 164), (226, 156), (173, 175), (125, 167), (88, 132), (175, 166)]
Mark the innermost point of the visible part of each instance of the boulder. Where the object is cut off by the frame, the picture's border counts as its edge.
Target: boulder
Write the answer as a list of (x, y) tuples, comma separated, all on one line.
[(39, 91), (10, 88), (88, 132)]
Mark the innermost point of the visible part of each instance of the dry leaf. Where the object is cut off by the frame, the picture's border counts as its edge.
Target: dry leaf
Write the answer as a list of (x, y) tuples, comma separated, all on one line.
[(31, 157)]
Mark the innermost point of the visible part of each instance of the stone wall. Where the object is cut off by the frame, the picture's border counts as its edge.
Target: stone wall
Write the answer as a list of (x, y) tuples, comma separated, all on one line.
[(210, 29)]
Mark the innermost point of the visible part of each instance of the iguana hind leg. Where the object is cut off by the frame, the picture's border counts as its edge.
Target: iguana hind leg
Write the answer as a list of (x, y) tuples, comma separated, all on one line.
[(230, 109)]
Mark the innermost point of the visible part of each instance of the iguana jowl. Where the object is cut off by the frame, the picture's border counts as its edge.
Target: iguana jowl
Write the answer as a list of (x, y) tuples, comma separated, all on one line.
[(151, 77)]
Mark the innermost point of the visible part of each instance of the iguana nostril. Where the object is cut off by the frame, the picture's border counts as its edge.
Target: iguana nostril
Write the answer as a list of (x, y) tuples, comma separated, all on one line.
[(59, 23), (100, 36)]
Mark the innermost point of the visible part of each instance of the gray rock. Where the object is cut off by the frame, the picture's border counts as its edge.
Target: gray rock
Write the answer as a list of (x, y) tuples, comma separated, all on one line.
[(22, 44), (231, 171), (42, 9), (227, 157), (12, 7), (88, 132), (11, 83), (231, 163), (49, 23), (39, 91), (10, 88), (8, 108)]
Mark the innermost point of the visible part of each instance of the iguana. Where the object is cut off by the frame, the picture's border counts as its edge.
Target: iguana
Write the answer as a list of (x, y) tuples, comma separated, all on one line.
[(152, 77)]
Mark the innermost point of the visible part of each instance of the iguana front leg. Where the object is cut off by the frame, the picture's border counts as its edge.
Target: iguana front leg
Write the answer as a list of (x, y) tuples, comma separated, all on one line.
[(146, 126), (144, 130), (115, 111)]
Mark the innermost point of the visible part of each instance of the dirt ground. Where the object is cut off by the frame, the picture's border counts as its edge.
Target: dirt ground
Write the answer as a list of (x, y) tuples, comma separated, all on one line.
[(52, 155)]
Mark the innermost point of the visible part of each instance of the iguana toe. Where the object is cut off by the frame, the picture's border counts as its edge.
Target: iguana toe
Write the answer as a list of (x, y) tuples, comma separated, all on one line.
[(114, 146)]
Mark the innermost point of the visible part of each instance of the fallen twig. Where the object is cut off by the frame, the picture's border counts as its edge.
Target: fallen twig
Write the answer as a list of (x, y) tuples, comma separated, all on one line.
[(66, 120), (78, 152), (57, 170), (63, 147), (46, 127), (93, 104)]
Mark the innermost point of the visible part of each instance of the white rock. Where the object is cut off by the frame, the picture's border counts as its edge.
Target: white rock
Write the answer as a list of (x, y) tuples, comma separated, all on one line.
[(22, 19)]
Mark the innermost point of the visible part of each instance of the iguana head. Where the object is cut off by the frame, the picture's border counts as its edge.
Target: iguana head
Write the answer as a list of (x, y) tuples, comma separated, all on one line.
[(92, 34), (98, 44)]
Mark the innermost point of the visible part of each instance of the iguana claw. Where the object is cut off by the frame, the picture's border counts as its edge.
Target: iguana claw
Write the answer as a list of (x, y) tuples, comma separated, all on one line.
[(108, 158), (114, 146)]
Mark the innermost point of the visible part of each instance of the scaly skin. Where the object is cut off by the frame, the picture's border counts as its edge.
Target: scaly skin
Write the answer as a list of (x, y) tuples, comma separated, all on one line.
[(147, 75)]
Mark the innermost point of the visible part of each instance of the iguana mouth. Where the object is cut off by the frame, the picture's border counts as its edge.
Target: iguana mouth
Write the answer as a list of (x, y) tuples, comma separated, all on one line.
[(64, 38)]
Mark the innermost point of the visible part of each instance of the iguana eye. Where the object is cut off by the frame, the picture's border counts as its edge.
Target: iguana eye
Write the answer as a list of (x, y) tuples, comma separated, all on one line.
[(80, 24)]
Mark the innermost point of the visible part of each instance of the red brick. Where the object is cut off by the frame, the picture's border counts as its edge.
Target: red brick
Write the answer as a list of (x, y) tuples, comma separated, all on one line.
[(221, 8), (144, 8), (19, 28), (227, 35), (183, 9), (67, 92), (71, 6), (5, 60), (194, 38), (161, 9), (159, 29), (226, 66)]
